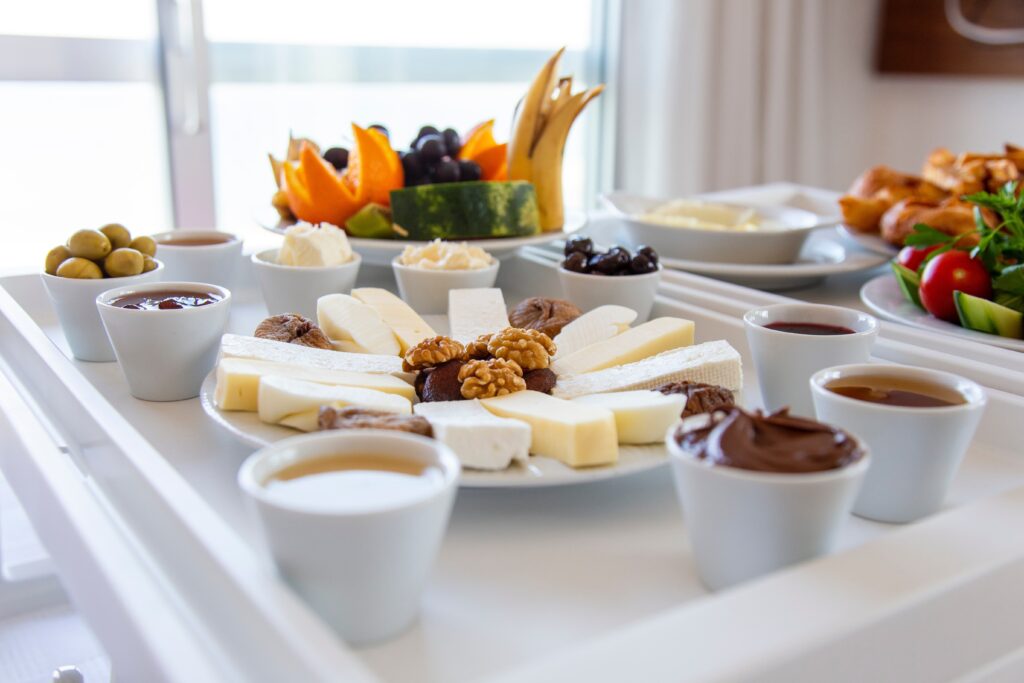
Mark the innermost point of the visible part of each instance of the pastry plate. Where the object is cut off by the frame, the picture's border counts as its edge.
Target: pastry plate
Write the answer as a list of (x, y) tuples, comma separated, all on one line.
[(883, 296), (822, 255), (381, 252), (539, 471), (865, 241)]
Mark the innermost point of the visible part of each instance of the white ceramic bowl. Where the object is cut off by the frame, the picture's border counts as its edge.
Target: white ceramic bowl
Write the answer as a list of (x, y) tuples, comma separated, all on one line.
[(784, 361), (743, 524), (295, 289), (632, 291), (781, 244), (426, 291), (214, 263), (75, 303), (364, 570), (916, 451), (165, 354)]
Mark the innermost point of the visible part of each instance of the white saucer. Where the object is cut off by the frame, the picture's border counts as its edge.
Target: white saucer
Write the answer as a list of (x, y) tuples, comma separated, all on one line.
[(381, 252), (867, 241), (822, 255), (883, 296), (540, 471)]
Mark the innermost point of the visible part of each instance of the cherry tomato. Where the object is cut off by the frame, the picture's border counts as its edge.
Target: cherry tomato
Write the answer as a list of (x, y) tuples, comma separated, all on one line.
[(913, 257), (948, 272)]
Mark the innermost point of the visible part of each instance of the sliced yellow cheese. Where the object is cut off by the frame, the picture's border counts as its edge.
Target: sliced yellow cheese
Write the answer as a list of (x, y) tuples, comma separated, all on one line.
[(640, 416), (254, 348), (642, 341), (576, 434), (238, 381), (281, 397), (409, 328)]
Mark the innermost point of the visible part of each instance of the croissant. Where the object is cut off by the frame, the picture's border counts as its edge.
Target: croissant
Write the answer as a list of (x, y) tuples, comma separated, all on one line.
[(950, 216)]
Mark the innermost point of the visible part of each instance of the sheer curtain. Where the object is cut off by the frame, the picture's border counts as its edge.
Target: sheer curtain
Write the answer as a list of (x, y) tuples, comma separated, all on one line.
[(723, 93)]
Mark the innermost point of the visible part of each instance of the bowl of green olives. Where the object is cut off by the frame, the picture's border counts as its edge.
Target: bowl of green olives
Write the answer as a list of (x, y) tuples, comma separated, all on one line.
[(88, 264)]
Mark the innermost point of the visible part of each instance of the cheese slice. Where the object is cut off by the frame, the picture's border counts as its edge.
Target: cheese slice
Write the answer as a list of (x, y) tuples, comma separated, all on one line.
[(280, 397), (409, 328), (254, 348), (238, 381), (604, 322), (642, 341), (473, 312), (711, 362), (481, 440), (640, 416), (343, 317), (577, 434)]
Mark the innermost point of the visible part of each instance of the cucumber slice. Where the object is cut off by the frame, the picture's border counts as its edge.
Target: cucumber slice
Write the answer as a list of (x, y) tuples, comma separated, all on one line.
[(988, 316), (909, 282)]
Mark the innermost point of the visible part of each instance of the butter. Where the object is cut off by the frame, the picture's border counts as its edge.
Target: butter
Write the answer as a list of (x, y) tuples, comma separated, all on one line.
[(311, 245), (440, 255), (685, 213)]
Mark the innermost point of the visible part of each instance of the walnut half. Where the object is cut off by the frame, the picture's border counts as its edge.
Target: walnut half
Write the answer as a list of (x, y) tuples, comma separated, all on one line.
[(487, 378), (530, 349), (431, 352)]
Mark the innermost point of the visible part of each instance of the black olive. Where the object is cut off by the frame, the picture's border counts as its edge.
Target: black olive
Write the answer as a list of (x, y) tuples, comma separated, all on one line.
[(576, 262), (579, 243), (649, 252), (640, 264), (603, 264)]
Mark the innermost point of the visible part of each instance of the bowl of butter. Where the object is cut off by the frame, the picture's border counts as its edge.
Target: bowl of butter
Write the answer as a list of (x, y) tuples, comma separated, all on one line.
[(426, 271), (719, 232)]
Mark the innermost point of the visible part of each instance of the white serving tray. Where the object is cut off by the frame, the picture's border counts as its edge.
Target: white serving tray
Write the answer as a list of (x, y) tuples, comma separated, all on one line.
[(137, 504)]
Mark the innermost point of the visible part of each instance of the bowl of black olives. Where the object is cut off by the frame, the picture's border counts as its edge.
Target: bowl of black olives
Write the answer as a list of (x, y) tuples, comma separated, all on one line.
[(593, 277)]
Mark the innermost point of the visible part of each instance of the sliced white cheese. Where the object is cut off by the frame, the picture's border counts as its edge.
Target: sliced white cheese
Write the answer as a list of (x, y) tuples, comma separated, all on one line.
[(280, 397), (640, 416), (473, 312), (348, 346), (345, 318), (238, 346), (711, 362), (409, 328), (642, 341), (306, 421), (481, 440), (604, 322), (576, 434), (238, 381)]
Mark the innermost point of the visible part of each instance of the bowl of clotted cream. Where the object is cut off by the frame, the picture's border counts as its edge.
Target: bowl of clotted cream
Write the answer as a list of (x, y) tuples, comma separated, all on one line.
[(718, 232), (313, 260)]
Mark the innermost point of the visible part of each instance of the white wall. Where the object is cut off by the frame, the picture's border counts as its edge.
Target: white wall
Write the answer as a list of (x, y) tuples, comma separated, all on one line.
[(897, 120)]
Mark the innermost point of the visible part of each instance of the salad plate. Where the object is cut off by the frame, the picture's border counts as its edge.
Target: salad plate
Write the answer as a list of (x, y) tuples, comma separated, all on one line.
[(883, 296), (867, 241), (380, 252), (540, 471)]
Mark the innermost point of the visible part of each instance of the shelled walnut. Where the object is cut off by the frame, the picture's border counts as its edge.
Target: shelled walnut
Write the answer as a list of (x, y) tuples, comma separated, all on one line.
[(477, 349), (487, 378), (530, 349), (544, 315), (293, 329), (431, 352)]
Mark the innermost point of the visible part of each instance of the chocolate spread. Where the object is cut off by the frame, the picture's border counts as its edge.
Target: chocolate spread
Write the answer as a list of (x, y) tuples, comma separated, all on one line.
[(777, 442)]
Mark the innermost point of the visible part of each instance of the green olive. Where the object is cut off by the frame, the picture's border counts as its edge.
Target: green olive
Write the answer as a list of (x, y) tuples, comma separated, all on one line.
[(117, 234), (144, 244), (123, 263), (89, 244), (55, 257), (148, 263), (80, 268)]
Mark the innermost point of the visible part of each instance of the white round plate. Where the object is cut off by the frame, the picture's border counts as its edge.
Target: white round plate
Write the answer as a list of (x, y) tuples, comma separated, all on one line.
[(865, 241), (381, 252), (883, 296), (540, 471), (821, 257)]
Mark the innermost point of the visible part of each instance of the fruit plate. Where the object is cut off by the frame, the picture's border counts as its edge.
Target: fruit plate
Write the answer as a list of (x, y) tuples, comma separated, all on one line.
[(822, 255), (867, 241), (883, 296), (381, 252), (539, 471)]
